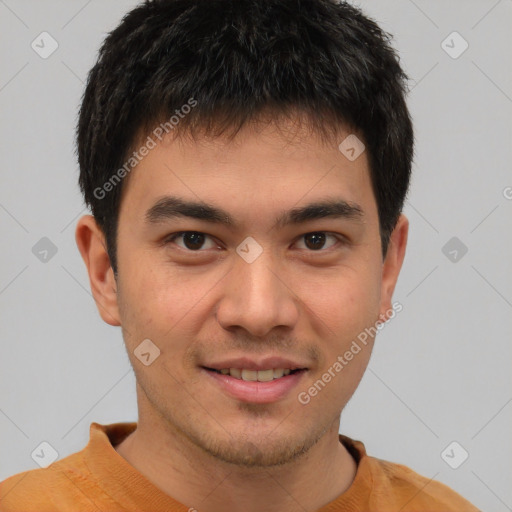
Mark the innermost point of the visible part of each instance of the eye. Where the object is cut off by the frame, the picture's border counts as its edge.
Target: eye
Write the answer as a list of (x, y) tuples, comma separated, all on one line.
[(192, 240), (316, 241)]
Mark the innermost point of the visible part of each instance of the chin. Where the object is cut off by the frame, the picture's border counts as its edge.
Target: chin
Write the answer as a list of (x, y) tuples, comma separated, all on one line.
[(256, 451)]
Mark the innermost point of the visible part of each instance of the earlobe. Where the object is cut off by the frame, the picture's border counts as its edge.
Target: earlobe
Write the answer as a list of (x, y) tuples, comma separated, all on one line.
[(392, 265), (91, 244)]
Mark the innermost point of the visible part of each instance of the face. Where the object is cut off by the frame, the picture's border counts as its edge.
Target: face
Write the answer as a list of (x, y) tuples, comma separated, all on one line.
[(254, 298)]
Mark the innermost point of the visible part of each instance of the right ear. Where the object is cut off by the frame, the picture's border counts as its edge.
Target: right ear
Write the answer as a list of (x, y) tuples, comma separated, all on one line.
[(91, 244)]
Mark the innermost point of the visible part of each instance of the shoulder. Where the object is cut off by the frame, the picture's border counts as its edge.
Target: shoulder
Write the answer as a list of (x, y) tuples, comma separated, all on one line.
[(414, 492), (389, 487), (69, 484), (27, 491), (64, 485)]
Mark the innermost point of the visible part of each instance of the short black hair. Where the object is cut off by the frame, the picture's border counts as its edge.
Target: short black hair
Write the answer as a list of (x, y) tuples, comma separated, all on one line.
[(211, 66)]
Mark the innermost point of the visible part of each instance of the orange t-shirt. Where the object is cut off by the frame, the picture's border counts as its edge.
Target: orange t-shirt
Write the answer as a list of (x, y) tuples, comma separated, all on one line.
[(98, 479)]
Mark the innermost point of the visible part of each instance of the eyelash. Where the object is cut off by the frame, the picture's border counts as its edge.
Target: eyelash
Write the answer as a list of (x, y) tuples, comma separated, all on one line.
[(171, 238)]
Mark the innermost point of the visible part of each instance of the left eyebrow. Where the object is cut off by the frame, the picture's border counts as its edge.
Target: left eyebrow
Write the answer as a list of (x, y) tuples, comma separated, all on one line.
[(332, 208), (170, 207)]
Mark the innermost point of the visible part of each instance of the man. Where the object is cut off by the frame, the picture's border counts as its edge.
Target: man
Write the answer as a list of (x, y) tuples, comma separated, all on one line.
[(246, 164)]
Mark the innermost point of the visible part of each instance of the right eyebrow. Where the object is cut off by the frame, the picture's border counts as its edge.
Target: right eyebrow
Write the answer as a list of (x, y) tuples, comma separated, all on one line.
[(170, 207)]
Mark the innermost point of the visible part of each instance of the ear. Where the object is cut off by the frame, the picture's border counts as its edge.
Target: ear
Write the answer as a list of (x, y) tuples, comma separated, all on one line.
[(392, 265), (91, 244)]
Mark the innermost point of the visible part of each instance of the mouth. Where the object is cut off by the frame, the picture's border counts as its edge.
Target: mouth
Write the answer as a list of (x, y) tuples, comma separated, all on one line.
[(256, 375), (256, 386)]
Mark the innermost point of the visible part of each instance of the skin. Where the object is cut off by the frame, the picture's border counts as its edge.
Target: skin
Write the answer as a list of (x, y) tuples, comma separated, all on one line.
[(196, 443)]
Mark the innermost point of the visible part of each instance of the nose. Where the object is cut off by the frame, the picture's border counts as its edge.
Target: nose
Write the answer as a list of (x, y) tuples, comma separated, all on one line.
[(257, 298)]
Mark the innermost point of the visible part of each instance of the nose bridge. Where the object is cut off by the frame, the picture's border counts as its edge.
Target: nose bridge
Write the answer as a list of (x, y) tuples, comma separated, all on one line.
[(256, 297), (260, 282)]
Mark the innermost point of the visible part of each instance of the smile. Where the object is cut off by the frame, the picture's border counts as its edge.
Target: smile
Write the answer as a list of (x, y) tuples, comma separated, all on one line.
[(255, 375), (256, 386)]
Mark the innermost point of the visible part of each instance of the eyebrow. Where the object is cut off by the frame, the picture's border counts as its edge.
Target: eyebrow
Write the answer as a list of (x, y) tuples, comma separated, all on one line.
[(170, 207)]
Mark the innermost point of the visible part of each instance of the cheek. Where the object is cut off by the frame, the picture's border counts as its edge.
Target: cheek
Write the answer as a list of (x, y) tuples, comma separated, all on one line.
[(347, 309), (156, 302), (346, 301)]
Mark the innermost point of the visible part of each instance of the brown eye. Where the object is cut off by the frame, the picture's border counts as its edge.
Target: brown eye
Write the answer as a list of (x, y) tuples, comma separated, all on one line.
[(316, 241), (191, 240)]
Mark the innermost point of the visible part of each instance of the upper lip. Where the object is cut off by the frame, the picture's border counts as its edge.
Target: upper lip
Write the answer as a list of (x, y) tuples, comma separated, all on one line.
[(252, 364)]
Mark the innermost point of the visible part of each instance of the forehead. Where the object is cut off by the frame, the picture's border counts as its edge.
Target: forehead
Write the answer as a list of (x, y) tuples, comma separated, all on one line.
[(261, 168)]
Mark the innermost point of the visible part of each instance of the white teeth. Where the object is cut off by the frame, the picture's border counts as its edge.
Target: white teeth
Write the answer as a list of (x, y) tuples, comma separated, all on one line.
[(256, 375), (266, 375), (235, 372), (251, 375)]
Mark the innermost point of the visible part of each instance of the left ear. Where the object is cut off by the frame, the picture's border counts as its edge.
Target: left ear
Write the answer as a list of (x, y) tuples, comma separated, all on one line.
[(392, 265)]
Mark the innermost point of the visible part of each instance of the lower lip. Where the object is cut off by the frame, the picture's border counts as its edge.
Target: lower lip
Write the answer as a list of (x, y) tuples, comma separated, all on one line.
[(254, 391)]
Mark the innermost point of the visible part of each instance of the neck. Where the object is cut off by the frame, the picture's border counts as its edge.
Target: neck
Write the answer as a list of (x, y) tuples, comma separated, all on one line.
[(195, 478)]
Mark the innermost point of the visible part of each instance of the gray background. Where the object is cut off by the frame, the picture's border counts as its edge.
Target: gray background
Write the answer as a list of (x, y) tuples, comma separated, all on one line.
[(441, 370)]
